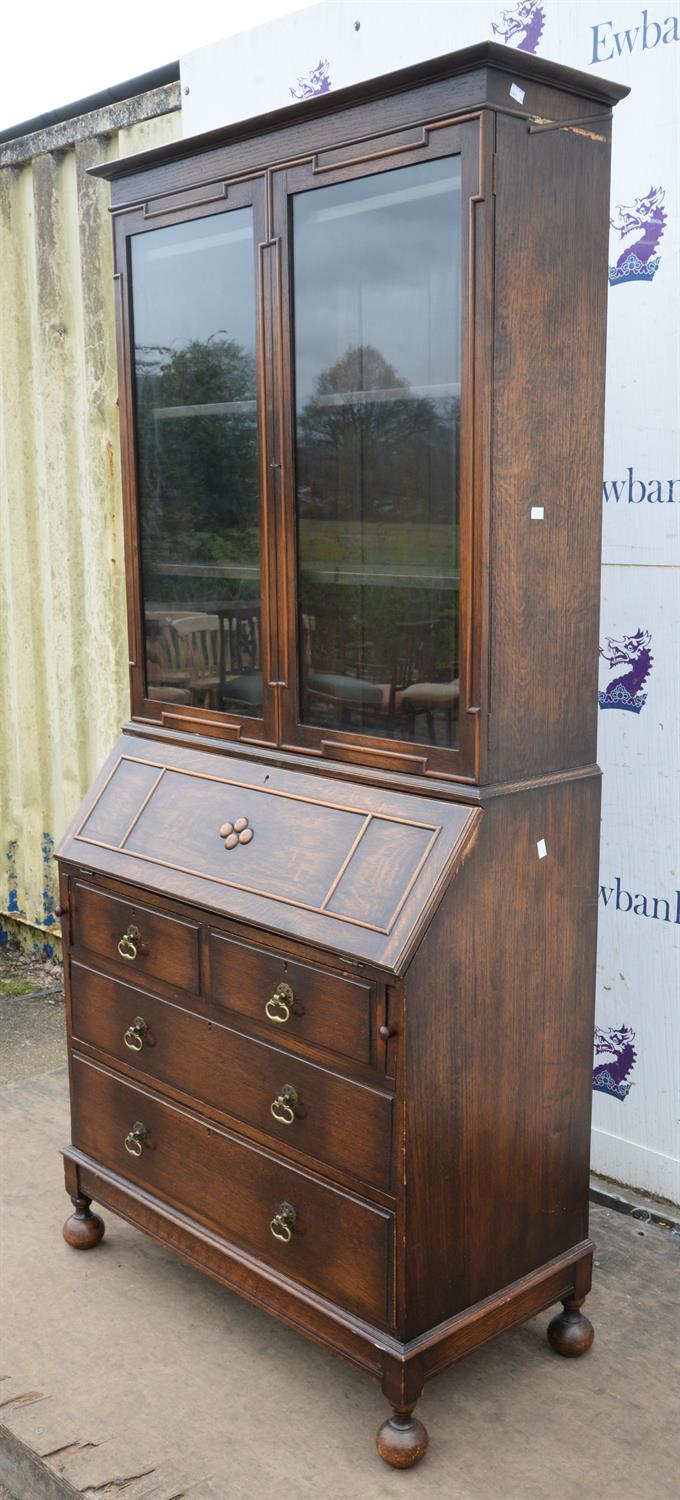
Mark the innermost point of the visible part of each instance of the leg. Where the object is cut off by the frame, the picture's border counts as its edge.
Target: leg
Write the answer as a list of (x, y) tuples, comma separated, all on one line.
[(83, 1230), (570, 1333), (402, 1440)]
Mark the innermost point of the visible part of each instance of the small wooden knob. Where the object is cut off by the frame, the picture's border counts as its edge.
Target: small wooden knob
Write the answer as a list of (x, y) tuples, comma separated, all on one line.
[(236, 833), (386, 1032), (60, 911)]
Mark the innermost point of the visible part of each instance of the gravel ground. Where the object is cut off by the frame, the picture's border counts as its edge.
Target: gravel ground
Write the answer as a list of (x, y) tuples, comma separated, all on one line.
[(32, 1030)]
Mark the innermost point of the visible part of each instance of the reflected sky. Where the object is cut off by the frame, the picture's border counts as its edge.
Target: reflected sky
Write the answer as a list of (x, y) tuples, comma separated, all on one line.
[(184, 279), (372, 265)]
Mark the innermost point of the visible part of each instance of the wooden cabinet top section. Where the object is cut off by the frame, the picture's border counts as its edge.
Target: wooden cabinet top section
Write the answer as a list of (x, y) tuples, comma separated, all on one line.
[(343, 866), (362, 465)]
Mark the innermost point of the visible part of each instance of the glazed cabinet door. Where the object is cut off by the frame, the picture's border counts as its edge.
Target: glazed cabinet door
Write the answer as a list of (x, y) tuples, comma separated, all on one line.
[(195, 433), (377, 465)]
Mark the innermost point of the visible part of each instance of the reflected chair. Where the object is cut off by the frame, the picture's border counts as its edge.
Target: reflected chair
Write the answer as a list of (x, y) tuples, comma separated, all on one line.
[(241, 659), (167, 674), (198, 637), (415, 687), (341, 694)]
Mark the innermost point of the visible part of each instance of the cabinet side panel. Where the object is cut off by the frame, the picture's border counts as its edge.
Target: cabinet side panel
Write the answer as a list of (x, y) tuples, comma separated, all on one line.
[(499, 1045), (551, 243)]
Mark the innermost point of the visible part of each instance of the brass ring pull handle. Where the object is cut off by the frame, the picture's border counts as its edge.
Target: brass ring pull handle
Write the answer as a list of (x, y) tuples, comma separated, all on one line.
[(135, 1138), (129, 943), (135, 1034), (283, 1223), (279, 1004), (283, 1107)]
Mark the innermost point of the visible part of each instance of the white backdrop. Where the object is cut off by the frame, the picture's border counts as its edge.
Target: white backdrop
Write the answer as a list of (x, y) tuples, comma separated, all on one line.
[(636, 1124)]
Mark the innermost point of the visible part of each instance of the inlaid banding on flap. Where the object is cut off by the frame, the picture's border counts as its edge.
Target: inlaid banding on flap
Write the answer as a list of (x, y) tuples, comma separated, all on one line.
[(120, 801), (310, 853)]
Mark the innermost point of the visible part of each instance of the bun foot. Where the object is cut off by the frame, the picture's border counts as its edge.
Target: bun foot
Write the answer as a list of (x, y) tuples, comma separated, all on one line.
[(402, 1440), (83, 1230), (570, 1333)]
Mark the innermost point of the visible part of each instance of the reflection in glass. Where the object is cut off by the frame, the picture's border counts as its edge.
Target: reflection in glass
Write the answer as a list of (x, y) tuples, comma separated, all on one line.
[(377, 368), (196, 415)]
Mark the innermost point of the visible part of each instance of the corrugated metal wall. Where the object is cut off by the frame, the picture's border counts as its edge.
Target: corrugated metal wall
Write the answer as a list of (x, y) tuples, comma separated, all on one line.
[(63, 648)]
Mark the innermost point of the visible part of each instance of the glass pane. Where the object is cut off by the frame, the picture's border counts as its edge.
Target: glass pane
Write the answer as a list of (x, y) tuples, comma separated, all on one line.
[(196, 411), (377, 369)]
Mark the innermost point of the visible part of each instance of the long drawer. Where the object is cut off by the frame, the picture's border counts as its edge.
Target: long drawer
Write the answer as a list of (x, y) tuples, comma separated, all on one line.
[(340, 1122), (316, 1234)]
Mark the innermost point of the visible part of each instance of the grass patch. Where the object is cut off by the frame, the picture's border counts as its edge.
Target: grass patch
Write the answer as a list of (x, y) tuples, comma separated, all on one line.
[(17, 986)]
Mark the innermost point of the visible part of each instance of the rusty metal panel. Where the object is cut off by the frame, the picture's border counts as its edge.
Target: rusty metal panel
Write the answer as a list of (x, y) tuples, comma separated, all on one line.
[(63, 644)]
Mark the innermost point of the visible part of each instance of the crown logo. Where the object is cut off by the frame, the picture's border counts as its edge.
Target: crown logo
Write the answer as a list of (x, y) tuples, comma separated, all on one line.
[(612, 1077), (643, 221), (619, 697), (632, 653)]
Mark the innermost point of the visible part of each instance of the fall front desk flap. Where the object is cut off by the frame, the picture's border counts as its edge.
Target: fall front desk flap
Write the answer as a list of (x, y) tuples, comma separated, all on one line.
[(348, 867)]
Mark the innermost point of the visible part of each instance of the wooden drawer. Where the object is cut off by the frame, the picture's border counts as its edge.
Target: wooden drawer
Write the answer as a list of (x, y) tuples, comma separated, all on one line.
[(326, 1010), (339, 1246), (345, 1124), (167, 949)]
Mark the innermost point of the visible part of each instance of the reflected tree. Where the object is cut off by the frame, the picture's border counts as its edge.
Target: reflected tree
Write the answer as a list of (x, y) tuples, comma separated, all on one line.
[(377, 504), (370, 449), (197, 445)]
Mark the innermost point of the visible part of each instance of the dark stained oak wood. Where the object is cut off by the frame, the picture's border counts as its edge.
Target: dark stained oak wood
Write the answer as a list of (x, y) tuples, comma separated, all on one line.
[(551, 249), (326, 1009), (297, 875), (571, 1333), (388, 960), (402, 1440), (83, 1229), (499, 1036), (401, 1367), (167, 949), (335, 1120), (462, 80), (339, 1245)]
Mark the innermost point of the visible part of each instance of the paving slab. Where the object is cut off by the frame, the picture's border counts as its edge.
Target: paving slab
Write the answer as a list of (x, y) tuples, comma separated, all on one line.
[(128, 1373)]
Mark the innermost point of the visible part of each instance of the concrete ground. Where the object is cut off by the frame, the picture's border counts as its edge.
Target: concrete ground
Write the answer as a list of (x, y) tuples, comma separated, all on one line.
[(125, 1372), (32, 1038)]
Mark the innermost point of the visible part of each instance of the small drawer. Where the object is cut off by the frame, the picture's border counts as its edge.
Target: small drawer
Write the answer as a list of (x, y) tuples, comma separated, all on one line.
[(148, 942), (347, 1125), (333, 1243), (297, 1001)]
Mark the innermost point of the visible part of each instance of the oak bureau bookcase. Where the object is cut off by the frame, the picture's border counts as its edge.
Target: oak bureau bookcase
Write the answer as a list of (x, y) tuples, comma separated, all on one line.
[(329, 910)]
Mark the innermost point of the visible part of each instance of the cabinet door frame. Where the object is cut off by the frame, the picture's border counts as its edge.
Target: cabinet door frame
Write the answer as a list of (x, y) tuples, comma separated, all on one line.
[(170, 209), (358, 160), (322, 152)]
